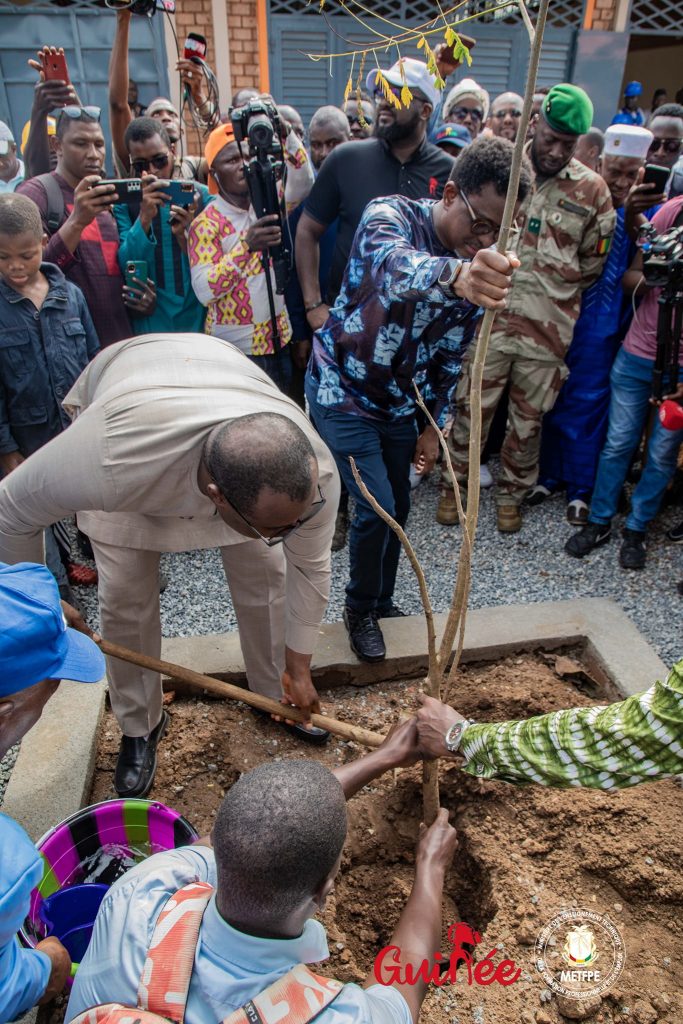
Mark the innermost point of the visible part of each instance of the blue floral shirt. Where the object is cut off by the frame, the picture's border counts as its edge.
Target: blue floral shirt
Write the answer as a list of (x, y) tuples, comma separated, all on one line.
[(393, 322)]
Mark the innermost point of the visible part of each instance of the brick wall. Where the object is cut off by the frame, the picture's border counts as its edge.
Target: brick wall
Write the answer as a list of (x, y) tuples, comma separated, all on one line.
[(604, 14), (243, 37)]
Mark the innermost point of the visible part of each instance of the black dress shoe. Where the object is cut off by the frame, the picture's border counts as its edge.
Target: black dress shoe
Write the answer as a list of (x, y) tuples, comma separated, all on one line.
[(367, 642), (633, 554), (591, 536), (392, 611), (308, 735), (137, 761)]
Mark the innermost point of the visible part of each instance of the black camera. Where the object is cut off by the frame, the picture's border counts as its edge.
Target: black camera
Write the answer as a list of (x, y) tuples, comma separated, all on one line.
[(663, 268), (258, 123), (663, 258)]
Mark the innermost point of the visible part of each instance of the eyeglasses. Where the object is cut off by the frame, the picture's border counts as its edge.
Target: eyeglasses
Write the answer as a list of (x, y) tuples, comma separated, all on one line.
[(355, 119), (668, 145), (397, 90), (158, 162), (462, 113), (501, 114), (287, 531), (77, 113), (479, 226)]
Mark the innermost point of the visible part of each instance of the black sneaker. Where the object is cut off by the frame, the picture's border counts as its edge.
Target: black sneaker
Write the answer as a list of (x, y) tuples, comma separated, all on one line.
[(676, 533), (633, 554), (367, 642), (591, 536)]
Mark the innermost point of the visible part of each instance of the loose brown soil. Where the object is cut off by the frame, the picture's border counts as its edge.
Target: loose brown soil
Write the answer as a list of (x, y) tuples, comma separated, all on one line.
[(525, 853)]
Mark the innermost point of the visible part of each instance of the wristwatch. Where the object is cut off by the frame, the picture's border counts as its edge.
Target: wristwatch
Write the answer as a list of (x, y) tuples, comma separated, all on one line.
[(454, 735), (450, 274)]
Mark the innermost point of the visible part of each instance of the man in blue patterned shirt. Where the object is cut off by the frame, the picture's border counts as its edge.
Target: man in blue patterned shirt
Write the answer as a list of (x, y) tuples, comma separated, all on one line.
[(417, 275)]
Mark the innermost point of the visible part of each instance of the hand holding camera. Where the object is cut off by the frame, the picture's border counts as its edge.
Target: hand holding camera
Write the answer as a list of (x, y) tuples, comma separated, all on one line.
[(264, 232)]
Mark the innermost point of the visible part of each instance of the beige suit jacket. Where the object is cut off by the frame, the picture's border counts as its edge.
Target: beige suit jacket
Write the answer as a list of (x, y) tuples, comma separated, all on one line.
[(128, 463)]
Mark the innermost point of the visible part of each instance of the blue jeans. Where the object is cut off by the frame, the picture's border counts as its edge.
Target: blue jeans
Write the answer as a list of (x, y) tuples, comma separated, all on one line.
[(631, 386), (383, 453)]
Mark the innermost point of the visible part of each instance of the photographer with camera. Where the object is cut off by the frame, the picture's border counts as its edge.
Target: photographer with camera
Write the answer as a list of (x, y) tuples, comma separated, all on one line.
[(632, 396), (153, 231), (230, 244)]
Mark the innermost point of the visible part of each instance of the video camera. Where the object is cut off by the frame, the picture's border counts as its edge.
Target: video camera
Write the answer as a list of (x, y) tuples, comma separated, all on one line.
[(663, 258), (145, 8), (258, 123), (663, 268)]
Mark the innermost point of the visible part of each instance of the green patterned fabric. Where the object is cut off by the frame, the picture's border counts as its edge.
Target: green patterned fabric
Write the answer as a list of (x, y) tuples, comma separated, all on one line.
[(608, 747)]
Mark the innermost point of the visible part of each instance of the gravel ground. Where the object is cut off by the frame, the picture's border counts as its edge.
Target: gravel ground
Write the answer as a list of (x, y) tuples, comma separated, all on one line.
[(526, 567)]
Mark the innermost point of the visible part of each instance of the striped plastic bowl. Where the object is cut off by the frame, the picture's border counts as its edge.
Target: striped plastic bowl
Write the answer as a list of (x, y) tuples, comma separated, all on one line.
[(99, 844)]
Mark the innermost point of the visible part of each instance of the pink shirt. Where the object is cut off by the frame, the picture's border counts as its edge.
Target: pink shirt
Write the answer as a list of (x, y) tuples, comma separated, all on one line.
[(641, 339)]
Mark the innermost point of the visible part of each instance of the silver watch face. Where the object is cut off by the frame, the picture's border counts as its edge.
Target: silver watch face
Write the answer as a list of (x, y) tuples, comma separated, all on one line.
[(449, 273), (453, 736)]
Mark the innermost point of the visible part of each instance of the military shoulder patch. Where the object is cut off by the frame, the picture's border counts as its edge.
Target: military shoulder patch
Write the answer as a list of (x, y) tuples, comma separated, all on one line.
[(603, 246)]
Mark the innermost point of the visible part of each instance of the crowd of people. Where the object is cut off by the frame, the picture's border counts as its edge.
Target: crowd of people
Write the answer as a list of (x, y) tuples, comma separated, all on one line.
[(160, 383)]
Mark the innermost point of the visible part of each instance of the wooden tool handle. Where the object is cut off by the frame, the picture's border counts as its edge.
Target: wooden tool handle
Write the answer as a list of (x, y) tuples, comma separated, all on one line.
[(255, 700)]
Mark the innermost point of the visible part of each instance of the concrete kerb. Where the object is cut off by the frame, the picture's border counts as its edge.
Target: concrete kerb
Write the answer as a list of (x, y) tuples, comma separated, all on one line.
[(53, 774), (610, 643)]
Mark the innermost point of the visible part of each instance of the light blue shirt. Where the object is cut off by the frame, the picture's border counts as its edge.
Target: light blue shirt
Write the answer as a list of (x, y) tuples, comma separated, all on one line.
[(9, 186), (24, 973), (230, 967)]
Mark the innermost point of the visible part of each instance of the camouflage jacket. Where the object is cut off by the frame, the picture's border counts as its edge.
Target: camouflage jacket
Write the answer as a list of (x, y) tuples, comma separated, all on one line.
[(566, 228)]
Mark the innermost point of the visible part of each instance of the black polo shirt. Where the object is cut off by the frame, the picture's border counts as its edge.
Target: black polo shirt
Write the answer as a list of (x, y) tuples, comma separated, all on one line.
[(357, 172)]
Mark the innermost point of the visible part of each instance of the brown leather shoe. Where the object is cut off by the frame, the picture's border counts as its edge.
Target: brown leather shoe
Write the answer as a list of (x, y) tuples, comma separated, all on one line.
[(509, 518), (447, 510)]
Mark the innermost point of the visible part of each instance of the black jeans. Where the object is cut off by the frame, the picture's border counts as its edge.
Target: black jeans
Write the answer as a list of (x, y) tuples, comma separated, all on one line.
[(383, 452)]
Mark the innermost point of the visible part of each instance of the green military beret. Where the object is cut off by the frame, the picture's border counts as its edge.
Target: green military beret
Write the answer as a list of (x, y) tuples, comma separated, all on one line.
[(568, 109)]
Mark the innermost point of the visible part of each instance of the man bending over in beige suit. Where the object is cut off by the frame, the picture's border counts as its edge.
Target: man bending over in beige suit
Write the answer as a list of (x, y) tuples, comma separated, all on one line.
[(181, 443)]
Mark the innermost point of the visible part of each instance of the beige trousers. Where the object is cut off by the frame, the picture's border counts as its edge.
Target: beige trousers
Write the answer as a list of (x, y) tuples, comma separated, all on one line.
[(129, 611)]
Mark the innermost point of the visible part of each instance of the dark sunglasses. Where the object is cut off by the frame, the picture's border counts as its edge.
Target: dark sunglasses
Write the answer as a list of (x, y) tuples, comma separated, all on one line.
[(355, 119), (397, 90), (479, 225), (158, 162), (77, 113), (500, 114), (462, 113), (668, 145), (287, 531)]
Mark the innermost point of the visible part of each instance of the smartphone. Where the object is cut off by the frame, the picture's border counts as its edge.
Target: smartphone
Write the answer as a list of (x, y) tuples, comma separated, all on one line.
[(54, 67), (195, 47), (180, 193), (129, 190), (657, 176), (136, 269)]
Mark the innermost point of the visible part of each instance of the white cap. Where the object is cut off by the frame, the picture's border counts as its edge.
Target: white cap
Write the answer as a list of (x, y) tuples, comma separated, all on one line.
[(627, 140), (467, 87), (416, 77)]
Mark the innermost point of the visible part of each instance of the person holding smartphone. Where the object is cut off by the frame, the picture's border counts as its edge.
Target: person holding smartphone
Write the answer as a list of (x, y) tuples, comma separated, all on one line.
[(76, 214), (155, 231)]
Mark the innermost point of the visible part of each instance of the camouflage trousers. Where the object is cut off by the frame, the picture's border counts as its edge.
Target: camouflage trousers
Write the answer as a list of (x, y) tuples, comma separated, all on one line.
[(534, 387)]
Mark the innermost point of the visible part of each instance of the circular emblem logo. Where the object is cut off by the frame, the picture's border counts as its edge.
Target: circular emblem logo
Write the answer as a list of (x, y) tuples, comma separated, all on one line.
[(580, 953)]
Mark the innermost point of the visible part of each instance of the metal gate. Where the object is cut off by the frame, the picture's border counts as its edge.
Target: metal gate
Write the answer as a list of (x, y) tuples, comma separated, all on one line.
[(499, 60), (656, 17), (85, 29)]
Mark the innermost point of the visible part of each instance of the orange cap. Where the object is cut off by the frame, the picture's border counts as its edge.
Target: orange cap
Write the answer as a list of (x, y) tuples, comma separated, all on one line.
[(219, 137)]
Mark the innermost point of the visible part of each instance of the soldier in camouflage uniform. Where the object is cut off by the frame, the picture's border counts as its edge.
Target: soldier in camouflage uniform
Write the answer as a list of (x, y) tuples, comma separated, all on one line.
[(565, 230)]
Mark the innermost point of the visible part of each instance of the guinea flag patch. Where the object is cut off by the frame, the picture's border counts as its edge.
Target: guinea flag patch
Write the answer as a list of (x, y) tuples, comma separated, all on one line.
[(603, 246)]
